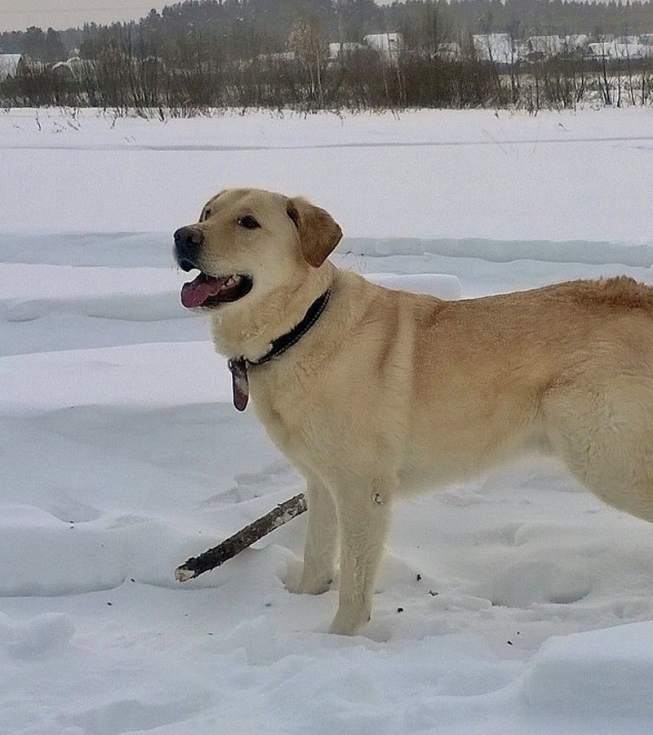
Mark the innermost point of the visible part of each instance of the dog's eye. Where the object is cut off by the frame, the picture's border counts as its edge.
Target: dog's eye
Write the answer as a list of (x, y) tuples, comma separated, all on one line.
[(248, 222), (205, 215)]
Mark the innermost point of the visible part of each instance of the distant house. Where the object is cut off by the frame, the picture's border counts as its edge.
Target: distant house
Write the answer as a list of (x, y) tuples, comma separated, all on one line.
[(496, 47), (631, 50), (62, 69), (599, 50), (282, 56), (618, 51), (628, 40), (575, 43), (543, 47), (69, 69), (9, 65), (449, 51), (388, 45), (346, 48), (277, 56), (271, 60), (76, 69)]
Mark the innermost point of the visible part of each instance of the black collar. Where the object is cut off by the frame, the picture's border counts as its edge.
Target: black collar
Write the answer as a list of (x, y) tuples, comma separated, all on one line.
[(281, 344), (238, 365)]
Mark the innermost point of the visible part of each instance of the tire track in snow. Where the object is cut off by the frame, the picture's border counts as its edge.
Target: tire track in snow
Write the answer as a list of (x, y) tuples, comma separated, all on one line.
[(327, 146)]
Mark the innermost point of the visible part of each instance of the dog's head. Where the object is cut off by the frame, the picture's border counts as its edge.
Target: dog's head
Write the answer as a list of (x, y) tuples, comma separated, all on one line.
[(250, 243)]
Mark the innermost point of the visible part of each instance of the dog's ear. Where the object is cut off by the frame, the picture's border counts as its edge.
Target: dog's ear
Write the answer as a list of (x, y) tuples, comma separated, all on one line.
[(319, 233), (206, 209)]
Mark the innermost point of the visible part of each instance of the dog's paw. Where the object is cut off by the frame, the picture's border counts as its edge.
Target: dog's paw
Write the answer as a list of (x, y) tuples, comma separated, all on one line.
[(348, 622), (310, 586), (315, 586), (303, 579)]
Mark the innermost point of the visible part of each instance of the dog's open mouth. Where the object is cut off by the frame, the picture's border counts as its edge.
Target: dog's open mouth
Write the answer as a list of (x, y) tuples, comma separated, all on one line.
[(209, 291)]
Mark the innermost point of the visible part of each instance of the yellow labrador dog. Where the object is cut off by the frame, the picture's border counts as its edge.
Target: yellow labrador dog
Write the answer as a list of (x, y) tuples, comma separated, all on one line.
[(371, 392)]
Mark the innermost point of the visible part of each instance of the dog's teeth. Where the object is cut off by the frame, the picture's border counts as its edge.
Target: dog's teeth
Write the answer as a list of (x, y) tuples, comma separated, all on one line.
[(232, 281)]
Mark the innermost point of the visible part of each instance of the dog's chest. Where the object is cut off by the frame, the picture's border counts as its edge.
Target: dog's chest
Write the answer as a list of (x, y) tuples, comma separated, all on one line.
[(284, 412)]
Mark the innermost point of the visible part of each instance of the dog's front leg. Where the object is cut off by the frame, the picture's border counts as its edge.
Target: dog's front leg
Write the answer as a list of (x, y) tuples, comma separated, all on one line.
[(321, 540), (363, 509)]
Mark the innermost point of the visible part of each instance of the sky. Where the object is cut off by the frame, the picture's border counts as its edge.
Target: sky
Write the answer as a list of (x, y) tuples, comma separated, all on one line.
[(19, 14)]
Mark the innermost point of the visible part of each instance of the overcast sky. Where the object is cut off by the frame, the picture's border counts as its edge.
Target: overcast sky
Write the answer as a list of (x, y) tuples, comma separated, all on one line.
[(18, 14)]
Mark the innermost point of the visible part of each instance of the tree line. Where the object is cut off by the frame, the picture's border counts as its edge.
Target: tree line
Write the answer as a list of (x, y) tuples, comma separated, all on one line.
[(201, 54), (259, 26)]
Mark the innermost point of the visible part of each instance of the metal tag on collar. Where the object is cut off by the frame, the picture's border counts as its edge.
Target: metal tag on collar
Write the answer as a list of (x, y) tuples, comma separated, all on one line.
[(239, 382)]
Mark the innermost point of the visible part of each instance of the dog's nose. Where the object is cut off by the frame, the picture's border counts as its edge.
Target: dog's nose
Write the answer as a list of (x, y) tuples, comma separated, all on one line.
[(188, 241)]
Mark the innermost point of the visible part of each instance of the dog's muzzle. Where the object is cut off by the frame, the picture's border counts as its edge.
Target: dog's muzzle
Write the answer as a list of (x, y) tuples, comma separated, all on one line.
[(188, 241)]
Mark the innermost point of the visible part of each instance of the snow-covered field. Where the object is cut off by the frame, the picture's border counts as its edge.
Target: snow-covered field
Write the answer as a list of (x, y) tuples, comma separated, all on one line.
[(515, 604)]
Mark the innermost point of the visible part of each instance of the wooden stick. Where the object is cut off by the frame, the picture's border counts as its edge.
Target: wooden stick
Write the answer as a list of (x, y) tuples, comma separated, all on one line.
[(221, 553)]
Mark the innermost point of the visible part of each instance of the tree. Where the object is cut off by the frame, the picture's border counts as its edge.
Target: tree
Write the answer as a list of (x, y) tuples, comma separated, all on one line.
[(354, 18), (34, 43), (305, 40), (54, 49)]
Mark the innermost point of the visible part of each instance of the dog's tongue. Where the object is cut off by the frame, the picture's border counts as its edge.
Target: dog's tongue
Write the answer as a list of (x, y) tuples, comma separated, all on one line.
[(198, 291)]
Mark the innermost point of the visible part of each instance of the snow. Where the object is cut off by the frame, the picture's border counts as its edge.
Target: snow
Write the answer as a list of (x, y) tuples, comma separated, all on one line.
[(601, 672), (513, 604), (458, 174), (150, 375)]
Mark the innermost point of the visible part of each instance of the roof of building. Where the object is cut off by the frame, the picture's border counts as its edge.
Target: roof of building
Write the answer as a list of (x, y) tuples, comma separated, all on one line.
[(9, 64)]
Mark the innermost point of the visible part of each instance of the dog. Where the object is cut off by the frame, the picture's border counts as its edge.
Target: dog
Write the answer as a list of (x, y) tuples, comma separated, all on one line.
[(372, 392)]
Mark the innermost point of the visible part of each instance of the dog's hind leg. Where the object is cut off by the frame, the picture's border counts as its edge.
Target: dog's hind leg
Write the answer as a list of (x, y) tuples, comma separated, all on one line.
[(363, 508), (604, 434)]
